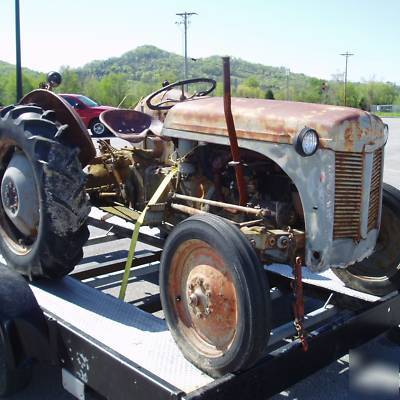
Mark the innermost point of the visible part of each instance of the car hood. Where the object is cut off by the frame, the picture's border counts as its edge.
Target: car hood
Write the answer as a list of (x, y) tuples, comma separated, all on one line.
[(339, 128)]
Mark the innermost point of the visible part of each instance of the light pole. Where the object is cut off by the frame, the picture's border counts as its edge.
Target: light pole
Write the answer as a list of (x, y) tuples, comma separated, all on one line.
[(185, 19), (18, 52), (347, 55)]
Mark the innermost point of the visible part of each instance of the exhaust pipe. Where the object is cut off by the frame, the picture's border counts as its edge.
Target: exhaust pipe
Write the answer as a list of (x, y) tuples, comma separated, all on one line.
[(232, 134)]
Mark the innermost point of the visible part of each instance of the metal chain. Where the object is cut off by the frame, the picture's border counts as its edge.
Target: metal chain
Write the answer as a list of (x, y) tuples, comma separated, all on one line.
[(298, 298)]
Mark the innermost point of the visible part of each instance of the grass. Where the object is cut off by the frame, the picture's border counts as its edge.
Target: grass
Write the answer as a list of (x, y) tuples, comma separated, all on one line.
[(387, 114)]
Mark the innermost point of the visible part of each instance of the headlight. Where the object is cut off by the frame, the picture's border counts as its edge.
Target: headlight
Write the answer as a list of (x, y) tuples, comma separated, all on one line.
[(306, 142), (386, 131)]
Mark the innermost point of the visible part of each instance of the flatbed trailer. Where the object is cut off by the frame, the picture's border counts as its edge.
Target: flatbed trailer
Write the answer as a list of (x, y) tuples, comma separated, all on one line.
[(124, 350)]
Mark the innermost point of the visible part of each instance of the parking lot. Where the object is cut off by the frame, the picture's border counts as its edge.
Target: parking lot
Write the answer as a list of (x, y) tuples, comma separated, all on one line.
[(330, 383)]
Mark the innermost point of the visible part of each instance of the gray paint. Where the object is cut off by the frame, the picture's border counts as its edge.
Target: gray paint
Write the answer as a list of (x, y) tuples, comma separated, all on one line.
[(314, 178)]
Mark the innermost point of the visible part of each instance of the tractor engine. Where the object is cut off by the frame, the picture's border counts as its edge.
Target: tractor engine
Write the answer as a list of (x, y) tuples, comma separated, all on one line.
[(130, 176), (212, 176), (127, 176)]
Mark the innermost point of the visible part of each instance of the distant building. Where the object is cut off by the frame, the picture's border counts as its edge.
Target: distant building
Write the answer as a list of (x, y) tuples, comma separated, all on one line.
[(385, 108)]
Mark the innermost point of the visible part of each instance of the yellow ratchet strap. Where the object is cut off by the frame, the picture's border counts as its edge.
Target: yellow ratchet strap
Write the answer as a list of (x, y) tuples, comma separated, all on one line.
[(154, 199)]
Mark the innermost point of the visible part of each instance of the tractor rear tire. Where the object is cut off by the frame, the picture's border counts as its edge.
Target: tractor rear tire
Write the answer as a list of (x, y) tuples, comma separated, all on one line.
[(379, 274), (215, 295), (44, 206), (13, 379)]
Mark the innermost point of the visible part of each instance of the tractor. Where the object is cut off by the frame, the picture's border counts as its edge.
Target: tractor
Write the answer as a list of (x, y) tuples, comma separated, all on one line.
[(233, 184)]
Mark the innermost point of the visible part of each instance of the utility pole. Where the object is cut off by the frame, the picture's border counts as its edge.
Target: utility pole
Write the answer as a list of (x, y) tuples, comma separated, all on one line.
[(185, 20), (287, 71), (347, 55), (18, 52)]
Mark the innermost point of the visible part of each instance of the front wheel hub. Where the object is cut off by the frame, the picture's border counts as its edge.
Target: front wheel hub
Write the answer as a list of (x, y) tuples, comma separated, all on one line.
[(199, 297), (19, 195)]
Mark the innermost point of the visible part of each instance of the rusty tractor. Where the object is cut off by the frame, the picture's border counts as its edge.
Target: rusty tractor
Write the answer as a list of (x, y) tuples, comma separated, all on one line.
[(232, 184)]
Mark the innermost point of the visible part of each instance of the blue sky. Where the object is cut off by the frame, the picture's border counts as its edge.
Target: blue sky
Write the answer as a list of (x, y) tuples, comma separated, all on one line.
[(306, 36)]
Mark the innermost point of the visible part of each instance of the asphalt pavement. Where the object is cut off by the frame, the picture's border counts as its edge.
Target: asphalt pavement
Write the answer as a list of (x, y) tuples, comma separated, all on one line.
[(333, 382)]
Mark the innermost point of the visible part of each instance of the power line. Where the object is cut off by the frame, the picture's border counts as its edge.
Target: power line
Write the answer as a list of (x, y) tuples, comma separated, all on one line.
[(347, 55), (185, 20)]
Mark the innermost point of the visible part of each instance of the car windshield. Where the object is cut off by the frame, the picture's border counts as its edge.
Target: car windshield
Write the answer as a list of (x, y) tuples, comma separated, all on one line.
[(88, 102)]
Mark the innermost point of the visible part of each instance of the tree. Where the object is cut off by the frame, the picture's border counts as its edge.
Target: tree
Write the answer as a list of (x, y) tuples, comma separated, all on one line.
[(252, 82), (363, 104), (269, 94), (352, 95), (112, 89), (248, 91), (140, 71), (70, 81)]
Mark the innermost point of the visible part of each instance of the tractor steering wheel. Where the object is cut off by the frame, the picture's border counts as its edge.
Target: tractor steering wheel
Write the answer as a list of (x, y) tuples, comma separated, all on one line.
[(160, 105)]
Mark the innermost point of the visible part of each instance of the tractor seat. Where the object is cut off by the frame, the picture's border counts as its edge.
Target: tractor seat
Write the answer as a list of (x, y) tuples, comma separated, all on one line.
[(132, 126)]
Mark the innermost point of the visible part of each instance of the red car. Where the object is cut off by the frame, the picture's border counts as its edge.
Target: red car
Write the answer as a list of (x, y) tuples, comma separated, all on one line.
[(89, 112)]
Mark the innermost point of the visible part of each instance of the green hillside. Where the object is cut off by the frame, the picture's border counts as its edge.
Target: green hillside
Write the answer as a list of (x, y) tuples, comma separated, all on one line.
[(138, 72), (30, 80), (150, 65)]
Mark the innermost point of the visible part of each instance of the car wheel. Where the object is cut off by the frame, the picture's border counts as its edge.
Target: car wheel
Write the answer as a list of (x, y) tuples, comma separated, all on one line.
[(97, 128)]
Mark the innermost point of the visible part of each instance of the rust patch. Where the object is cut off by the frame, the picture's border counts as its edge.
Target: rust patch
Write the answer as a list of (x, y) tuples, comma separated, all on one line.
[(76, 134), (359, 132), (375, 191), (348, 192), (348, 139), (202, 291), (275, 121)]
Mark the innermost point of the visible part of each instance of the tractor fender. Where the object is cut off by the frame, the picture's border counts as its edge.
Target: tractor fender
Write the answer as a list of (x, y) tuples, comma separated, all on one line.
[(75, 133)]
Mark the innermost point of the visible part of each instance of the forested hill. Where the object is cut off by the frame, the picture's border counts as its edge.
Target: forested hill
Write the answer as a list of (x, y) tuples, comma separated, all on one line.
[(30, 81), (142, 70), (150, 64)]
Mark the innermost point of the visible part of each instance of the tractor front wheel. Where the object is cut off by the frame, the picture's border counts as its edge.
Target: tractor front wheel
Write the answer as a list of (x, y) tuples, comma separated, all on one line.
[(215, 295)]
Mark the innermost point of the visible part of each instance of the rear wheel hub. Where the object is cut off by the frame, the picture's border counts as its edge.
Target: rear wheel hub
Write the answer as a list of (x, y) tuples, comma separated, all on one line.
[(19, 195), (11, 199)]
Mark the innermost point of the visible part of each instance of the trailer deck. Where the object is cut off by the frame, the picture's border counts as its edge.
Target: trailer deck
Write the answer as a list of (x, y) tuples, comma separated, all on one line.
[(134, 334), (124, 350)]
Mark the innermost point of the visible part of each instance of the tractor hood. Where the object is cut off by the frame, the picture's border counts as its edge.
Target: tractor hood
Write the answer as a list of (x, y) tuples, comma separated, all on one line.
[(339, 128)]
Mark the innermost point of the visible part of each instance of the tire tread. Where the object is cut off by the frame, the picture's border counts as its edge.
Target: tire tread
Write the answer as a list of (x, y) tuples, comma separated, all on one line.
[(65, 204)]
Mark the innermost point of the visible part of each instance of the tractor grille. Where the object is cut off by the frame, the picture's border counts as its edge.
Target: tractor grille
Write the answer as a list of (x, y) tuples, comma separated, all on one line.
[(375, 193), (348, 192)]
